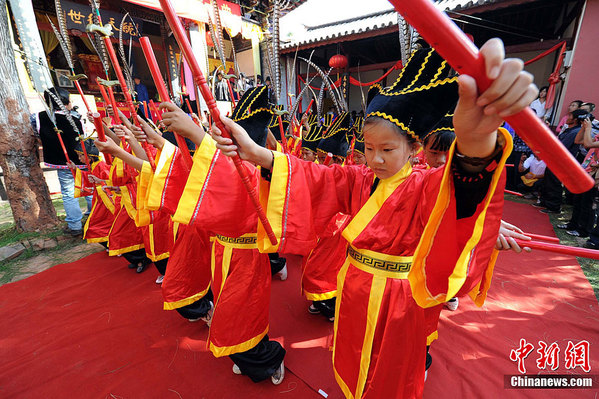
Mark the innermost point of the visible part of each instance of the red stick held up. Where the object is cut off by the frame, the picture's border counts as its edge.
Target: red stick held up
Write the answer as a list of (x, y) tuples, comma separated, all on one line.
[(282, 133), (101, 135), (461, 53), (163, 93), (179, 33), (128, 99)]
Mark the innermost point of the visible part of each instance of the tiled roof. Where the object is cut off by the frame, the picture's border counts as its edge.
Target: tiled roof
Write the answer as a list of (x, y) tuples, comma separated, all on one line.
[(365, 23), (315, 34)]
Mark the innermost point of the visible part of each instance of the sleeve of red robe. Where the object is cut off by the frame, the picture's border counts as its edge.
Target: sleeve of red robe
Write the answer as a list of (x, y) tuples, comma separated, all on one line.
[(214, 198), (455, 256), (304, 197)]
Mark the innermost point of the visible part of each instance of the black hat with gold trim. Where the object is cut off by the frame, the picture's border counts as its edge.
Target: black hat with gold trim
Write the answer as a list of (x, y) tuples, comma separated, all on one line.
[(442, 135), (311, 139), (419, 98), (312, 119), (335, 140), (253, 114), (359, 137), (273, 124), (91, 149), (327, 120)]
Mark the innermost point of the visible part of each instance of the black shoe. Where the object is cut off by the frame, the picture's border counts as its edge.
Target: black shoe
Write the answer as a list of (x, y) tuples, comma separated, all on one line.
[(591, 245), (132, 266), (547, 210), (72, 233), (142, 267), (538, 204)]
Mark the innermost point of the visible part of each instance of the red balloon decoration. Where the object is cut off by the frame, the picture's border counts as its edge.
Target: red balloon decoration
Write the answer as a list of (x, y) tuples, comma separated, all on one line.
[(209, 41), (338, 61)]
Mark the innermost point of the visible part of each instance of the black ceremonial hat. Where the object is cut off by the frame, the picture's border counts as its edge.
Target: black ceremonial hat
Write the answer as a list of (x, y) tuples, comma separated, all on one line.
[(253, 114), (442, 135), (359, 136), (90, 148), (335, 140), (312, 138), (419, 98)]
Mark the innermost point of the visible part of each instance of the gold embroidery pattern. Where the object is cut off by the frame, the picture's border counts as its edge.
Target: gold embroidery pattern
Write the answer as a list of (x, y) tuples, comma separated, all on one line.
[(237, 240), (379, 264)]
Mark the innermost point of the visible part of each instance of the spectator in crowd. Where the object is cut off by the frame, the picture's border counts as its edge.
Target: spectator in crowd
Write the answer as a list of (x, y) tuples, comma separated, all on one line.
[(271, 91), (54, 155), (222, 88), (574, 105), (513, 181), (533, 171), (242, 84), (582, 219), (142, 93), (552, 190), (538, 105)]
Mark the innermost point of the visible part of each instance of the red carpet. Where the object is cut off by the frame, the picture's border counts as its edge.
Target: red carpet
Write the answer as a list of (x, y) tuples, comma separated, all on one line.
[(94, 329)]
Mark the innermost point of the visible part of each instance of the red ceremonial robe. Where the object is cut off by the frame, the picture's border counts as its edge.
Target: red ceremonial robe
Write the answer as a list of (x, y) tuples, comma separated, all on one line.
[(101, 217), (124, 235), (406, 248), (215, 200), (320, 268), (187, 277)]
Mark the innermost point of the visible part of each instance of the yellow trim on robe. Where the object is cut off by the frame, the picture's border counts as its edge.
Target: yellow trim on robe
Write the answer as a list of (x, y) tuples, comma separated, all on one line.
[(479, 294), (108, 202), (97, 239), (78, 183), (340, 282), (220, 351), (113, 252), (377, 290), (184, 302), (417, 276), (142, 216), (200, 173), (373, 205), (320, 297), (432, 337), (225, 266), (159, 180), (127, 202), (276, 210)]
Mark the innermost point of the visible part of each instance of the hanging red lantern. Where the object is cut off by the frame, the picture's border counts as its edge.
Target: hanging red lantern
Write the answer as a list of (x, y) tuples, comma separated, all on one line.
[(338, 61), (209, 41)]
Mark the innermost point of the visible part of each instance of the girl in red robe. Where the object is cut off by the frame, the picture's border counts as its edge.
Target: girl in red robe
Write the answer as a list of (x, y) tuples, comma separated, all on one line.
[(416, 239)]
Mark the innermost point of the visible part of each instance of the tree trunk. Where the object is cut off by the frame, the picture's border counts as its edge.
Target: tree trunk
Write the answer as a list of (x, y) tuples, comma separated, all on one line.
[(26, 188)]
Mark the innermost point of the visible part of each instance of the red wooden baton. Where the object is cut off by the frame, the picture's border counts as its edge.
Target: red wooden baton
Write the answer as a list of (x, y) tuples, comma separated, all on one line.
[(461, 53), (101, 135), (179, 33), (146, 46), (119, 74), (282, 133), (544, 238), (560, 249)]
